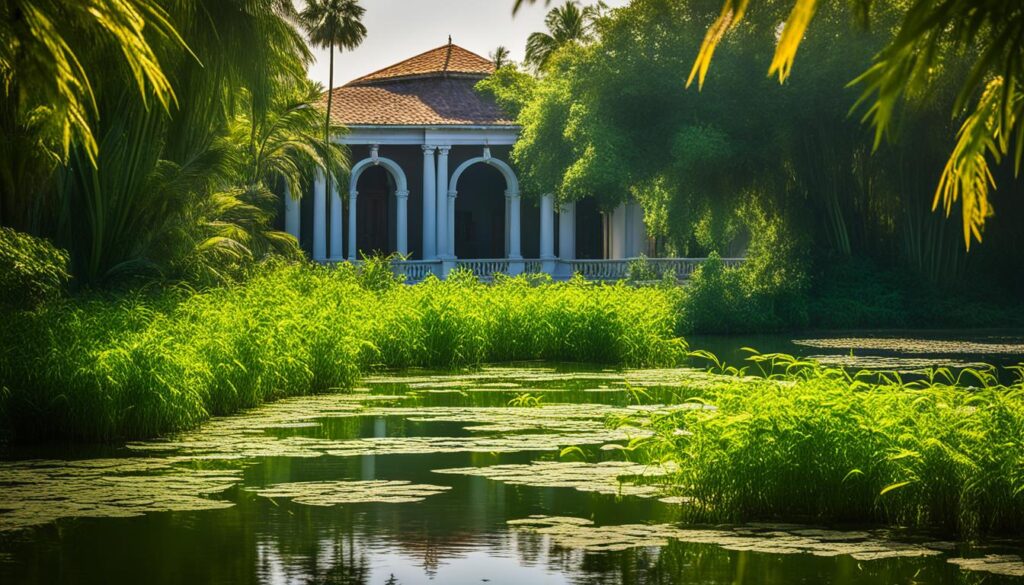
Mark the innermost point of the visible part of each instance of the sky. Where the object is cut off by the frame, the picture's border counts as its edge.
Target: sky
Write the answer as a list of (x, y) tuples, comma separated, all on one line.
[(399, 29)]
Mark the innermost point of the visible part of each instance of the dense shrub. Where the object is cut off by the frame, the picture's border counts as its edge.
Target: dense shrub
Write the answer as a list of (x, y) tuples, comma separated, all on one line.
[(136, 366), (721, 299), (32, 270)]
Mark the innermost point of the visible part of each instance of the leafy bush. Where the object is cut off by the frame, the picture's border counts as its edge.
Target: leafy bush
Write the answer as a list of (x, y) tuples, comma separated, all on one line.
[(641, 270), (32, 270), (717, 301)]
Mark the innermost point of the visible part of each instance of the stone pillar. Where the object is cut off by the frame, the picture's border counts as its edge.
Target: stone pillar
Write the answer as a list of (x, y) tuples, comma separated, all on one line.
[(515, 255), (547, 234), (337, 254), (452, 194), (508, 226), (443, 249), (292, 213), (618, 236), (353, 198), (637, 230), (429, 204), (320, 218), (402, 219), (566, 238)]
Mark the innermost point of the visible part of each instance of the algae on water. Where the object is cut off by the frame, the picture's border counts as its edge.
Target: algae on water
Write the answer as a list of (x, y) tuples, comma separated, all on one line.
[(332, 493)]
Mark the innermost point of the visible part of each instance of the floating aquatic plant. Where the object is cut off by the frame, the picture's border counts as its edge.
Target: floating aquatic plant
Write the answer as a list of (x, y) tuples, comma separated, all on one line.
[(606, 477), (581, 533), (333, 493), (37, 492)]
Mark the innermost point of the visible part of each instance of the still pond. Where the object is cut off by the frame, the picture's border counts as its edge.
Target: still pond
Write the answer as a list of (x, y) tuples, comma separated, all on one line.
[(422, 477)]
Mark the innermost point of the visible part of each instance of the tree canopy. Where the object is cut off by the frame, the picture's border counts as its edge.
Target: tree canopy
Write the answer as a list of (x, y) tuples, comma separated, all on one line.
[(913, 60)]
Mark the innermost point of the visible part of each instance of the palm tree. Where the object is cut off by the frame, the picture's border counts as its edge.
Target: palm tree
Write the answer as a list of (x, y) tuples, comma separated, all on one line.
[(566, 24), (50, 70), (157, 173), (329, 24), (500, 57)]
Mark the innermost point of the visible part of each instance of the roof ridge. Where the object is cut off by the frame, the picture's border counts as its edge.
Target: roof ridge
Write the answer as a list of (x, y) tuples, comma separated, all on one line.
[(449, 48)]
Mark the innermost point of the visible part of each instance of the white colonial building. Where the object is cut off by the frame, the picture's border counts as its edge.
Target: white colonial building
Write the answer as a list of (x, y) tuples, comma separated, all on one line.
[(431, 181)]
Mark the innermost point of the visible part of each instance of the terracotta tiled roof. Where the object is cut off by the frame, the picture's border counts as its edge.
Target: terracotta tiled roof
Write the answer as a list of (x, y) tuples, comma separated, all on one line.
[(432, 89), (449, 58)]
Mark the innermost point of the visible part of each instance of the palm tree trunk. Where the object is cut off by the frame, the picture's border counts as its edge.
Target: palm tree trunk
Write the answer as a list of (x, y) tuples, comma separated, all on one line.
[(327, 129)]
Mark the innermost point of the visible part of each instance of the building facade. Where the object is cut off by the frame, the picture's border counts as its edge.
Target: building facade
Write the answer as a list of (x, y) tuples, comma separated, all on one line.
[(431, 180)]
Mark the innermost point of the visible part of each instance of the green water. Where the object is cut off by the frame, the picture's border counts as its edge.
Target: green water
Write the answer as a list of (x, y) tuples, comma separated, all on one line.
[(200, 508)]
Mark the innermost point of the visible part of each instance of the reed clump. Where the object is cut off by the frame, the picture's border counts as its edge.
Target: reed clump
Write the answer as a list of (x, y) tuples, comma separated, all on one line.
[(140, 365), (804, 442)]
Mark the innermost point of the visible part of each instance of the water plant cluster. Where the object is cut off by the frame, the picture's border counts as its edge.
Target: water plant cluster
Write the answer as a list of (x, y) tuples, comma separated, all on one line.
[(803, 441), (143, 364)]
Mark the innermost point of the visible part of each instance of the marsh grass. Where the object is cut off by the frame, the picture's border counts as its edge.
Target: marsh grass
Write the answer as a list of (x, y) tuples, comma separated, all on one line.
[(802, 441), (141, 365)]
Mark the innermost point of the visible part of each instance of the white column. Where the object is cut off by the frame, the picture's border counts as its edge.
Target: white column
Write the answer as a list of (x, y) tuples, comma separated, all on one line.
[(566, 238), (567, 231), (515, 256), (547, 233), (320, 218), (292, 213), (637, 230), (508, 226), (336, 252), (353, 198), (618, 243), (443, 250), (429, 204), (402, 217), (452, 194)]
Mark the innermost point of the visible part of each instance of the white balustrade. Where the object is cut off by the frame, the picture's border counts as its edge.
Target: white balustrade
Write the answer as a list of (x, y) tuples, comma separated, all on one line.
[(600, 269), (596, 270), (484, 269), (415, 270)]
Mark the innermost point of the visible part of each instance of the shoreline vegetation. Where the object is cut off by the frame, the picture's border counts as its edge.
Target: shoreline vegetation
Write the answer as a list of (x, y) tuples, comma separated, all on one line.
[(148, 363), (796, 441)]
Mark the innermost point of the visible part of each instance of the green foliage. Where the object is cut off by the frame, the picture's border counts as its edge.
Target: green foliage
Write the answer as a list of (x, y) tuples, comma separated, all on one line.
[(641, 270), (49, 69), (767, 292), (780, 174), (131, 366), (921, 54), (32, 270), (824, 445), (567, 24), (185, 191), (716, 300), (511, 89)]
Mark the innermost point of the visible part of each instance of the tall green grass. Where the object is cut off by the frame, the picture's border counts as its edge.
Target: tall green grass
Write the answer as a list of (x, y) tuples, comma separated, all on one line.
[(142, 365), (822, 444)]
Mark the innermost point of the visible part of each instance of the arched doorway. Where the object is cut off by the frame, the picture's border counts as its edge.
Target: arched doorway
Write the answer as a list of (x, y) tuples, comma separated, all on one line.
[(378, 208), (479, 226), (482, 240), (375, 218)]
